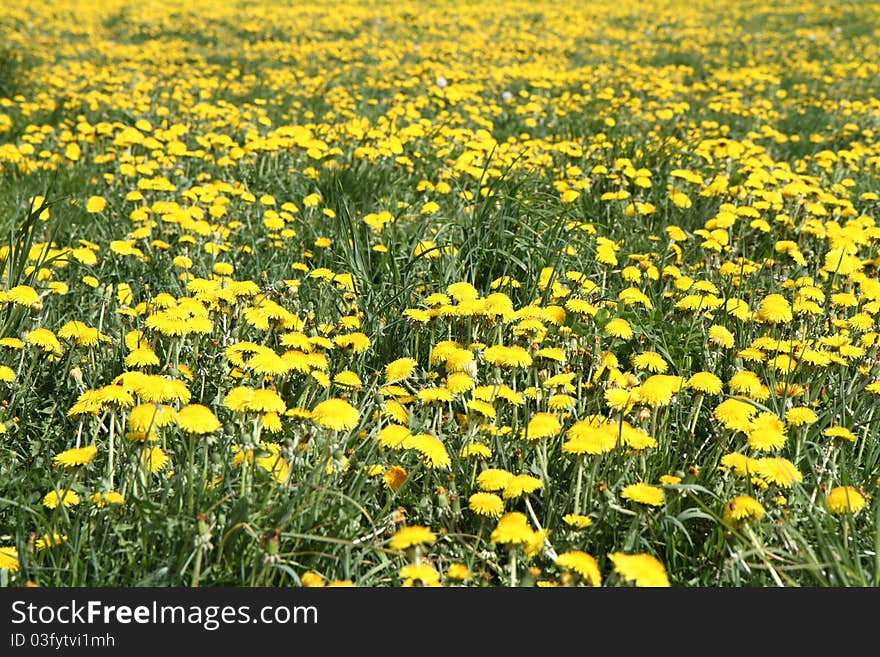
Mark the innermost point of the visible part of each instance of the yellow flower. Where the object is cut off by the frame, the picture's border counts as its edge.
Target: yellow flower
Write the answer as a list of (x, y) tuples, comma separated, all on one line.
[(406, 537), (521, 484), (800, 415), (430, 448), (154, 459), (336, 414), (9, 558), (198, 419), (514, 356), (642, 569), (458, 571), (839, 432), (394, 477), (542, 425), (76, 456), (705, 382), (774, 309), (400, 369), (845, 499), (512, 529), (494, 479), (643, 494), (766, 432), (650, 361), (583, 564), (66, 497), (419, 574), (735, 414), (779, 471), (619, 328), (486, 504), (47, 540), (657, 390), (311, 579), (720, 336), (577, 521), (742, 509), (96, 204)]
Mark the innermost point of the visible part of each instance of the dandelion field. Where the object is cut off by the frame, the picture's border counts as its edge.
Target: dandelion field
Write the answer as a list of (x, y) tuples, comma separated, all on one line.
[(417, 293)]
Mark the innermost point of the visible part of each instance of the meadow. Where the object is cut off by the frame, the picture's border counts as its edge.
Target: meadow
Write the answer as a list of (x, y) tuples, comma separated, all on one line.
[(419, 294)]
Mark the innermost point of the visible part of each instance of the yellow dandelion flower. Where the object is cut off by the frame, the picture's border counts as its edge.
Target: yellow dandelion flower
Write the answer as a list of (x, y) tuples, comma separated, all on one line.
[(779, 471), (419, 574), (9, 559), (839, 432), (643, 494), (576, 520), (486, 504), (198, 419), (430, 448), (521, 484), (642, 569), (458, 571), (336, 414), (845, 499), (742, 509), (53, 498), (394, 477), (154, 459), (512, 529), (542, 425), (720, 336), (619, 328), (513, 356), (76, 456), (705, 382), (407, 537), (766, 432), (650, 361), (48, 540), (400, 369), (658, 389), (583, 564), (494, 479)]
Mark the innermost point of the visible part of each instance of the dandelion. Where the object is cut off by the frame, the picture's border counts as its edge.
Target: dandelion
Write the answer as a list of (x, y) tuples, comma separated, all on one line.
[(619, 328), (779, 471), (76, 456), (197, 419), (542, 425), (845, 499), (414, 535), (394, 477), (486, 504), (839, 432), (705, 382), (494, 479), (774, 309), (9, 559), (68, 498), (643, 494), (512, 529), (583, 564), (48, 540), (642, 569), (766, 432), (742, 509), (154, 459), (336, 414), (400, 369), (421, 574), (577, 520)]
